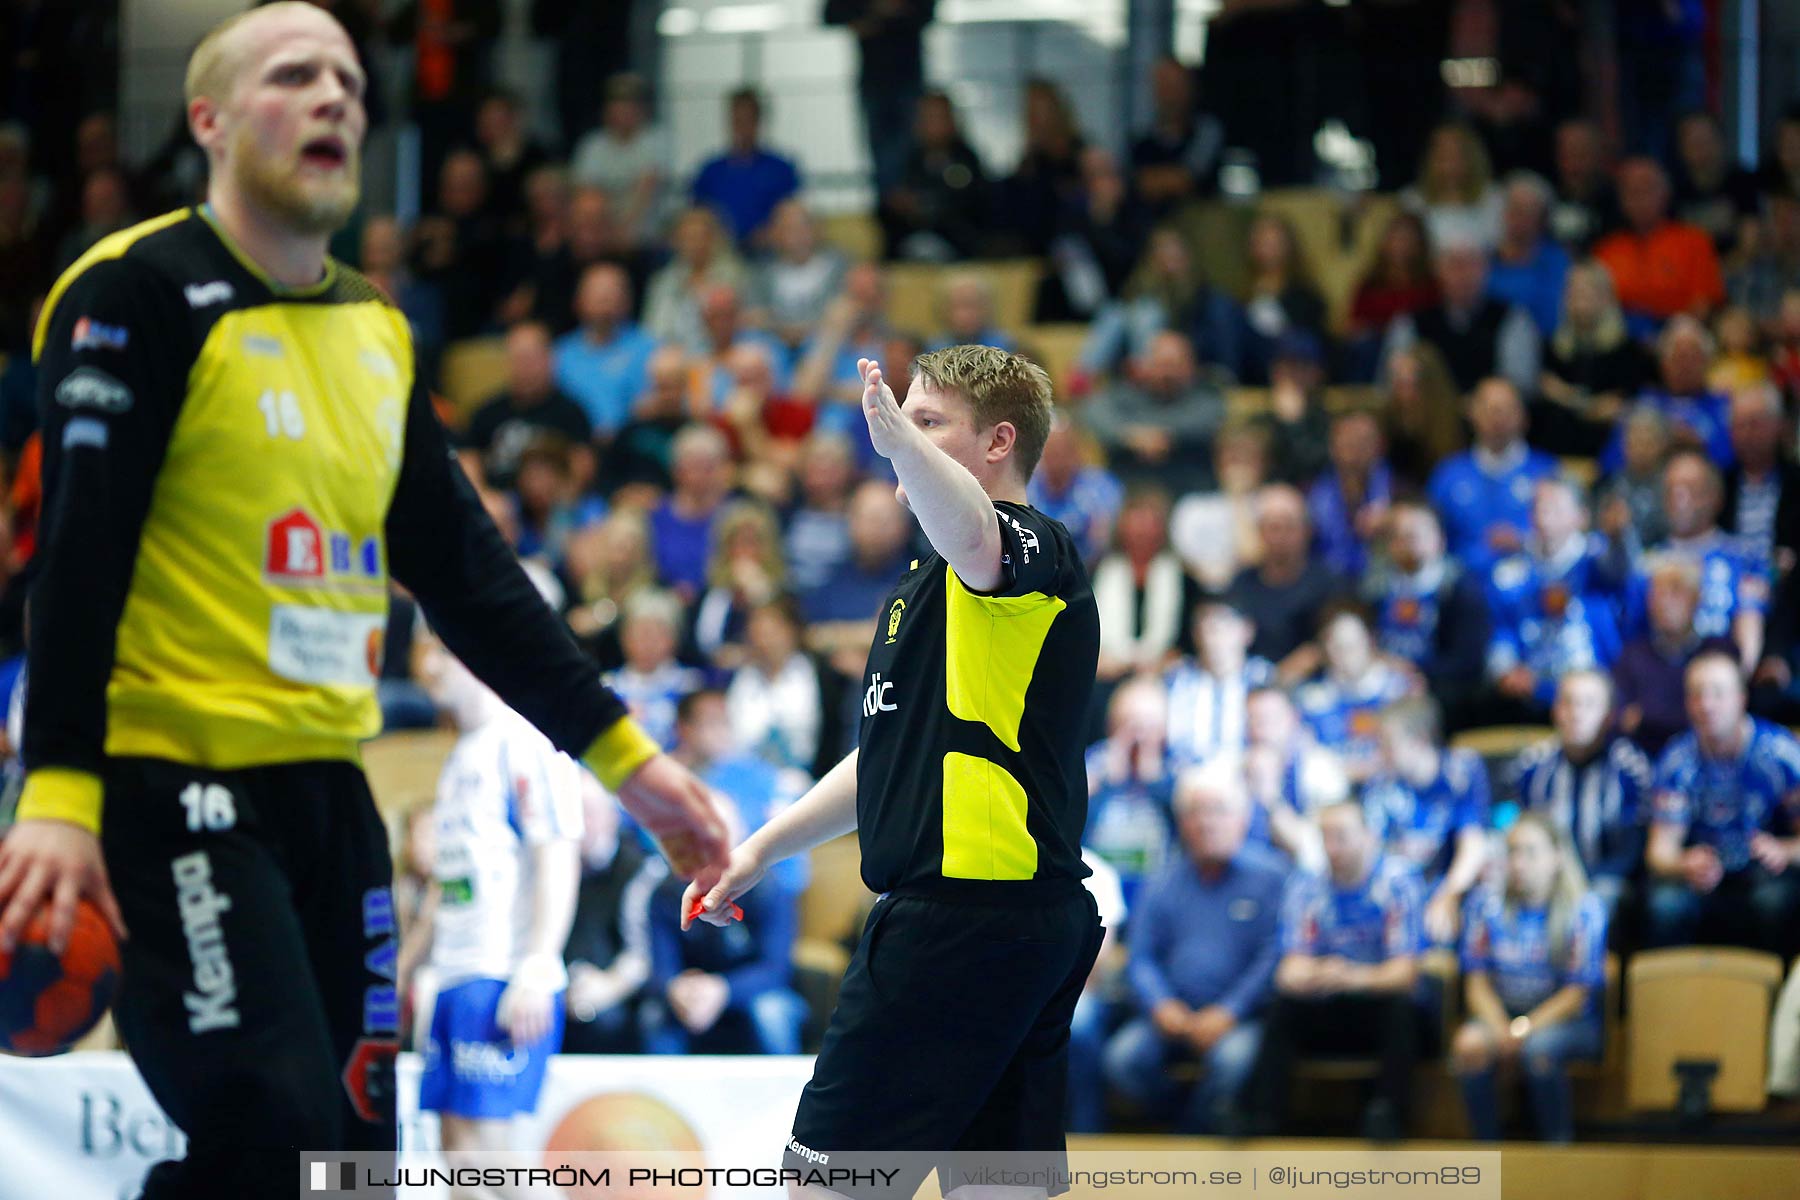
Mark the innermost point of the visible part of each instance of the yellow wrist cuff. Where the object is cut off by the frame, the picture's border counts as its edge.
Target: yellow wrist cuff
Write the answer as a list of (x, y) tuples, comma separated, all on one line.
[(620, 750), (62, 794)]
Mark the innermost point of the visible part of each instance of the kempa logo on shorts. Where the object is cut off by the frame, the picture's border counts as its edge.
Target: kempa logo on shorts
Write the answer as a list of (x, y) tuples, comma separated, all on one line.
[(211, 1005), (808, 1153)]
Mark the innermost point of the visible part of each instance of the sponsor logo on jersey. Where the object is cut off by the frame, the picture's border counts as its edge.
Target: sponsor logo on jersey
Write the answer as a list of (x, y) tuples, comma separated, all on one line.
[(1028, 539), (875, 699), (212, 1004), (894, 613), (199, 295), (90, 387), (90, 334), (262, 344), (378, 362), (300, 550)]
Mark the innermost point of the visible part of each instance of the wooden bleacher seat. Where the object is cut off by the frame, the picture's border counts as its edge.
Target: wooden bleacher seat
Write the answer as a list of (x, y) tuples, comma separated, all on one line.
[(403, 769), (1700, 1003), (1612, 1038), (1582, 470), (831, 915), (916, 292), (474, 371), (858, 235), (1500, 744), (1056, 348)]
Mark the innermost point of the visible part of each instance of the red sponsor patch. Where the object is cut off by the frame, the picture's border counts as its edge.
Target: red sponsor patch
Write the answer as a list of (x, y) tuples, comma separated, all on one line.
[(296, 547), (369, 1079)]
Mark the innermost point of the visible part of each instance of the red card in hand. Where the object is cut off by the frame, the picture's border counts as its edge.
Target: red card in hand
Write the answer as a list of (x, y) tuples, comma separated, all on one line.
[(699, 906)]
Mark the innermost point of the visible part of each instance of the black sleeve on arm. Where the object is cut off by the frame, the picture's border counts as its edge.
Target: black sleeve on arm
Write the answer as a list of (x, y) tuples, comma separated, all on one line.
[(1029, 552), (112, 370), (443, 547)]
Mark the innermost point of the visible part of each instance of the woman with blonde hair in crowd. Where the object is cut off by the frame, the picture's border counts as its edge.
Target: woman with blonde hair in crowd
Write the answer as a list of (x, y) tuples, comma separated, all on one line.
[(703, 257), (1534, 966), (746, 569), (609, 562), (1280, 297), (1420, 414), (1456, 193), (1592, 367)]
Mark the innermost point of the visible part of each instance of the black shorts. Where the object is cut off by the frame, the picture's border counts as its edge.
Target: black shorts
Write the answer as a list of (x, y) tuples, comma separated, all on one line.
[(951, 1034), (258, 996)]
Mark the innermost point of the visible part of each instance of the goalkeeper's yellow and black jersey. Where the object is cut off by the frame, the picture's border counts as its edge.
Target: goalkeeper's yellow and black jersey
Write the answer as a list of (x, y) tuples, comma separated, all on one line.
[(970, 776), (233, 470)]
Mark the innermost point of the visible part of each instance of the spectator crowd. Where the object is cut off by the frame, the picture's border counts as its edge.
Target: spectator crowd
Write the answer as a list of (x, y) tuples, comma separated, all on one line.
[(1534, 467)]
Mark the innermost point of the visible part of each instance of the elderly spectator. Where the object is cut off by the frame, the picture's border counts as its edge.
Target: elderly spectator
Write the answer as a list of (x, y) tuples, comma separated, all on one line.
[(1534, 970), (1660, 266), (1430, 805), (1343, 706), (1478, 334), (1723, 849), (790, 290), (603, 364), (1207, 693), (532, 404), (1591, 367), (1348, 974), (1455, 192), (937, 209), (640, 453), (1131, 785), (681, 526), (1711, 191), (1762, 492), (651, 681), (1289, 588), (1166, 292), (1085, 498), (626, 157), (1399, 280), (1177, 158), (1529, 267), (1349, 502), (1279, 296), (782, 701), (1648, 676), (1203, 955), (1430, 611), (1159, 428), (746, 182), (968, 314), (1484, 494), (1139, 589), (1734, 590), (1590, 784), (1630, 500), (1586, 206), (608, 952), (703, 257), (723, 331), (880, 532), (1553, 603), (1696, 414)]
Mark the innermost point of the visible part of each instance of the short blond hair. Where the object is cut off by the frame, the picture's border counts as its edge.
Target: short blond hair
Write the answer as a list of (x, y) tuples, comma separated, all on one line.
[(213, 67), (999, 386)]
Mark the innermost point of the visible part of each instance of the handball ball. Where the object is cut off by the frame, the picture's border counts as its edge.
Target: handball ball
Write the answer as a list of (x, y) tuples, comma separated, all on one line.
[(48, 1003)]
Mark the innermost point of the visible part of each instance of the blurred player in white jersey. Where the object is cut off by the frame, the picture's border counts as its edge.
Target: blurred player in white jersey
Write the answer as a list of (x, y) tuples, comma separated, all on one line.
[(507, 867)]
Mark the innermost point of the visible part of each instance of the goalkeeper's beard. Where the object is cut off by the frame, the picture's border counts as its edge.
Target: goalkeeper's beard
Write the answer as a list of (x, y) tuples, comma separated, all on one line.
[(308, 206)]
